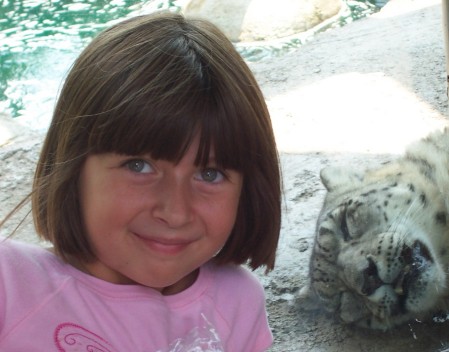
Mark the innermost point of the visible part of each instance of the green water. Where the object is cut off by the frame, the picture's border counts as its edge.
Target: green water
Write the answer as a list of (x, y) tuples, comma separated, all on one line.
[(39, 39)]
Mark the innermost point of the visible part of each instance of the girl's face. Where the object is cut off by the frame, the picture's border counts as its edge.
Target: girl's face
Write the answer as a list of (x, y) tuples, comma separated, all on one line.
[(153, 222)]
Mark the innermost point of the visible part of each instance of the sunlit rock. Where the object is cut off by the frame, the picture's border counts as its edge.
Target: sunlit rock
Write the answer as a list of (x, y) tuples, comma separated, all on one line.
[(256, 20)]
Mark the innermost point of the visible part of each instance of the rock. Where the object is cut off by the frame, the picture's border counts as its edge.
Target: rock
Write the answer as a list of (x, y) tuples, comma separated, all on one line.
[(256, 20), (8, 129), (12, 131)]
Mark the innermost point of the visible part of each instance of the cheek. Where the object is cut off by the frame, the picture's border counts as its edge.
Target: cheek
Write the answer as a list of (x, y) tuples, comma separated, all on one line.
[(92, 211), (223, 215), (106, 207), (102, 204)]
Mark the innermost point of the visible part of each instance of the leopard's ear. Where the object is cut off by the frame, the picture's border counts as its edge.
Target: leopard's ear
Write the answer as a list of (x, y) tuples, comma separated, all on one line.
[(335, 177)]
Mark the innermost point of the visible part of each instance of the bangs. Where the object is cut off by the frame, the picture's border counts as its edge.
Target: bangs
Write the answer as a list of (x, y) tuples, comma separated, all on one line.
[(166, 129)]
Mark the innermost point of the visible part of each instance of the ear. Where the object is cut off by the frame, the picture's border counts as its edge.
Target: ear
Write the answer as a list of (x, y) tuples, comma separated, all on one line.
[(334, 177)]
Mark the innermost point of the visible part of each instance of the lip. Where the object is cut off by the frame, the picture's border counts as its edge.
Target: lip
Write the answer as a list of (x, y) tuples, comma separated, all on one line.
[(163, 245)]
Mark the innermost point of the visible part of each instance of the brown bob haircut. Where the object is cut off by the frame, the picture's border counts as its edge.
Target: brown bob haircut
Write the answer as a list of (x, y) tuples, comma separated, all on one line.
[(148, 85)]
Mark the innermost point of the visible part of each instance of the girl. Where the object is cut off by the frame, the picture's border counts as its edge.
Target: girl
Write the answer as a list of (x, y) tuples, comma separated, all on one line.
[(158, 177)]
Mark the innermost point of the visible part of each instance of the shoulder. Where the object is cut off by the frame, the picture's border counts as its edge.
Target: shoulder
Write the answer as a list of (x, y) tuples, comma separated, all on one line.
[(237, 292), (238, 280), (22, 264), (13, 253), (25, 271), (239, 298)]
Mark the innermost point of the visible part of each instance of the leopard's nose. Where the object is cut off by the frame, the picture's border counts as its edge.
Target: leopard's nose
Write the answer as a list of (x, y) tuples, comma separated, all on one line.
[(371, 279)]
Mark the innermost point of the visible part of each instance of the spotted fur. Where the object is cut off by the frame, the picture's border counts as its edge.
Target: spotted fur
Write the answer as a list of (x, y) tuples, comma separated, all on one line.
[(381, 252)]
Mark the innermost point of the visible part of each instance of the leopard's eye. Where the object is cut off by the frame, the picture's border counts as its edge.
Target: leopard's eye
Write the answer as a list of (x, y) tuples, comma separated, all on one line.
[(344, 225)]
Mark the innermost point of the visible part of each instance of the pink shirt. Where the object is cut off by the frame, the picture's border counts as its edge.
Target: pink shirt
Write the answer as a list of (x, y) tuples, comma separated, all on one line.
[(47, 305)]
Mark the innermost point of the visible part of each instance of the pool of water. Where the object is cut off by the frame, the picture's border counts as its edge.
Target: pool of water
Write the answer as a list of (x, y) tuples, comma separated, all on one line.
[(39, 40)]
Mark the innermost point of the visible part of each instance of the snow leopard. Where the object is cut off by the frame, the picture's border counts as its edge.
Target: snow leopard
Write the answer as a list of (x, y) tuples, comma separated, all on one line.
[(381, 251)]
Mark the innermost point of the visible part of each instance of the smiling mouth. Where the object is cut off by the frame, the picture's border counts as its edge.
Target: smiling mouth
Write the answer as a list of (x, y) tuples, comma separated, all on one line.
[(164, 246)]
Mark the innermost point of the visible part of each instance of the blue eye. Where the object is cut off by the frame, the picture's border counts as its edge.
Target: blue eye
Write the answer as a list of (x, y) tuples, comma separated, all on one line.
[(211, 175), (139, 166)]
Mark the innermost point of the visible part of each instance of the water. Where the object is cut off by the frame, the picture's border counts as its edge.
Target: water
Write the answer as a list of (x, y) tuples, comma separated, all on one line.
[(39, 40)]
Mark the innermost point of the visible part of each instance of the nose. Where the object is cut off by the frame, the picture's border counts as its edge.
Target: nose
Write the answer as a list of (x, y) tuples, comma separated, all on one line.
[(371, 279), (173, 205)]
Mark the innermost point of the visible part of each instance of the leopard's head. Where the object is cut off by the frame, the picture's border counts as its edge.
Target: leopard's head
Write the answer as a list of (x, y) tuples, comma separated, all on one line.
[(381, 247)]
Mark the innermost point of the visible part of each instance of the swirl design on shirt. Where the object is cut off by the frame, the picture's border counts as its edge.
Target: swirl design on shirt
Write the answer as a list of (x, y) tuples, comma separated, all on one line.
[(74, 338)]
